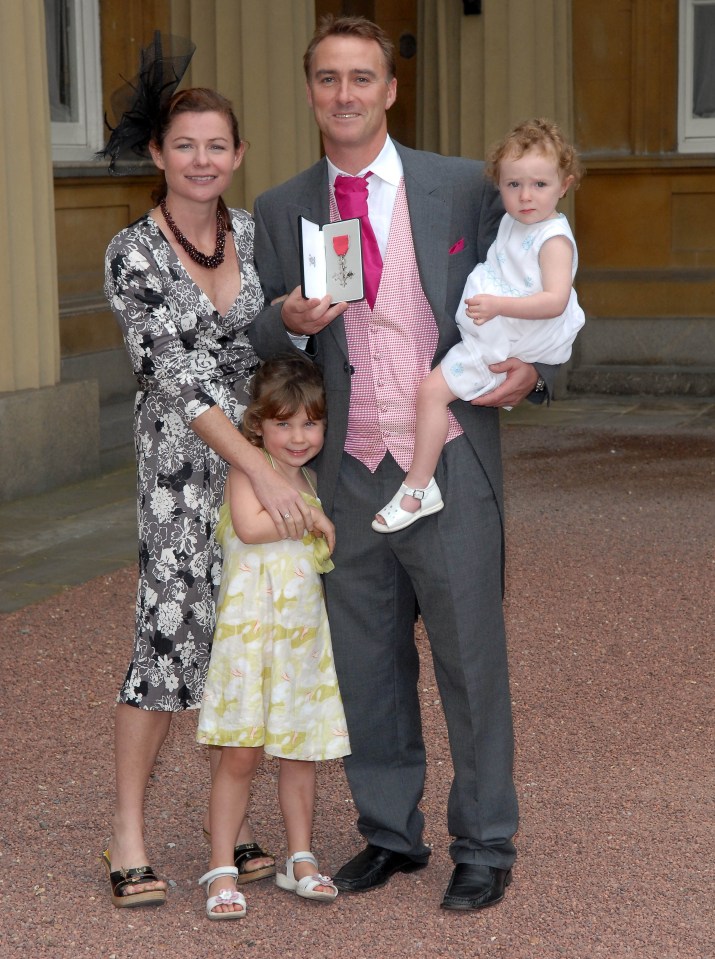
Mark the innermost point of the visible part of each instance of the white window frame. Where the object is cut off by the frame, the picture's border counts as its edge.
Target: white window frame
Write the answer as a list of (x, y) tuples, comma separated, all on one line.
[(695, 134), (80, 139)]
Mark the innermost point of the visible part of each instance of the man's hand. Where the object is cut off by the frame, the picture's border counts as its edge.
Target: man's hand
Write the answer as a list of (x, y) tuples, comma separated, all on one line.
[(305, 317), (520, 381)]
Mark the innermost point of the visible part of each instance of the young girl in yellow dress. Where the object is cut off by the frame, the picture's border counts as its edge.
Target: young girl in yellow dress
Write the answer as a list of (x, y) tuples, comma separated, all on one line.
[(271, 684)]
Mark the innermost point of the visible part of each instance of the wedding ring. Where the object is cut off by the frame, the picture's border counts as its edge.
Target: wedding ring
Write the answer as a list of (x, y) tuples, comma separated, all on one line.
[(286, 516)]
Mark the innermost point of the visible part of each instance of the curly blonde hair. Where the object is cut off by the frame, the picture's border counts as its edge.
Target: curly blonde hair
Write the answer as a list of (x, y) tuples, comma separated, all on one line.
[(538, 134)]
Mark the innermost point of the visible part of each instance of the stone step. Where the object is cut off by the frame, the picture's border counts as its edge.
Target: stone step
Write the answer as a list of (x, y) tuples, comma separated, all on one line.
[(632, 380), (116, 436)]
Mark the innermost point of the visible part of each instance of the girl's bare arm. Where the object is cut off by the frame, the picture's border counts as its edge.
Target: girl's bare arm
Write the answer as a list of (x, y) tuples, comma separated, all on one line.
[(555, 262), (253, 523)]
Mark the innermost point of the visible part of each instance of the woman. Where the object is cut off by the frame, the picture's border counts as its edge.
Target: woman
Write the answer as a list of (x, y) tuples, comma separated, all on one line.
[(182, 285)]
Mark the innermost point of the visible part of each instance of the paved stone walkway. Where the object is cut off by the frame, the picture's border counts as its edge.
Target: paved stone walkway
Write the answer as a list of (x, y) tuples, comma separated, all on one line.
[(64, 537), (610, 519)]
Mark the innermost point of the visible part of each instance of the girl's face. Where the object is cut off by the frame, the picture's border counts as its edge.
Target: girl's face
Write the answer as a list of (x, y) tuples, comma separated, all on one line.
[(198, 155), (531, 185), (293, 440)]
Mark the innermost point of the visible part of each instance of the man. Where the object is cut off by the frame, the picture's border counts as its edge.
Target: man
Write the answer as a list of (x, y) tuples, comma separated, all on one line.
[(434, 218)]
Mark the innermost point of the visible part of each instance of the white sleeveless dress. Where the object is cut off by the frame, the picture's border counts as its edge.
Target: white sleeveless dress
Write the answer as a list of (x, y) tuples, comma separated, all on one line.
[(511, 269)]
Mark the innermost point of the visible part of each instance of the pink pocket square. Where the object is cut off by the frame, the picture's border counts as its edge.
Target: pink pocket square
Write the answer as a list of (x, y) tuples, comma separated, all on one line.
[(457, 248)]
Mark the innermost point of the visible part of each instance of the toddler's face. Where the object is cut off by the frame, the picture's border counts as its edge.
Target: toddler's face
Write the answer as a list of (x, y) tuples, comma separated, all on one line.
[(531, 185)]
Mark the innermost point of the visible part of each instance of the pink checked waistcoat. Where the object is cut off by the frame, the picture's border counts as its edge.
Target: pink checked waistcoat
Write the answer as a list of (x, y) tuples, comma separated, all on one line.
[(391, 349)]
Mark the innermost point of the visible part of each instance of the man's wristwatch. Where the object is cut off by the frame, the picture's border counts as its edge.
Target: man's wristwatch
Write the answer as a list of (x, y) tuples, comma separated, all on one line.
[(540, 385)]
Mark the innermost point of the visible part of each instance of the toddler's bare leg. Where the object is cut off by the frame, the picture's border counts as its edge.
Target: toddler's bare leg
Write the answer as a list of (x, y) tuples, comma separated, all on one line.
[(433, 398)]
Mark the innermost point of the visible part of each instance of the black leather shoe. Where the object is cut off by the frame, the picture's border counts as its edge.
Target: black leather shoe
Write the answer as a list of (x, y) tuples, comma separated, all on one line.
[(372, 868), (475, 887)]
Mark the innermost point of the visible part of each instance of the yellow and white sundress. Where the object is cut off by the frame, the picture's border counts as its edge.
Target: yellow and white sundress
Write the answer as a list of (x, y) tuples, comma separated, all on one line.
[(271, 680)]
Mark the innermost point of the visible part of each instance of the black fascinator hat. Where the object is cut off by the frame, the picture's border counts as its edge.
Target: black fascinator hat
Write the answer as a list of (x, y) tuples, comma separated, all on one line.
[(138, 103)]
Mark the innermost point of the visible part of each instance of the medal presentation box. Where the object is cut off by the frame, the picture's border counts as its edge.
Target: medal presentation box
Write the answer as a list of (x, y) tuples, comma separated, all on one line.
[(331, 260)]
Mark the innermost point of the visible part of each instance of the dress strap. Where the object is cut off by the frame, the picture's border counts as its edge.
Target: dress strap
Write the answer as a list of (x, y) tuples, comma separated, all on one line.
[(306, 476), (304, 471)]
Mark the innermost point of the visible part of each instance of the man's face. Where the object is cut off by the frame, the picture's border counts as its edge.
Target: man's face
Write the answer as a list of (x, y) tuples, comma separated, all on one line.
[(350, 92)]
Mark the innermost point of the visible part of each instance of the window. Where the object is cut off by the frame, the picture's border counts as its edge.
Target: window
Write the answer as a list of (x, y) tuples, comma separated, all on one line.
[(696, 95), (72, 37)]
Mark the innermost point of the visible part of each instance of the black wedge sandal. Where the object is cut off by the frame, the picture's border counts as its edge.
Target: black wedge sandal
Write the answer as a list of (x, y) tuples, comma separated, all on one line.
[(243, 854), (247, 852), (122, 879)]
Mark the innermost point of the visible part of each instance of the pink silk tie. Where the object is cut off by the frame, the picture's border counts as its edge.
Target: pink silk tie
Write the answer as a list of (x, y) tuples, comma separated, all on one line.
[(351, 198)]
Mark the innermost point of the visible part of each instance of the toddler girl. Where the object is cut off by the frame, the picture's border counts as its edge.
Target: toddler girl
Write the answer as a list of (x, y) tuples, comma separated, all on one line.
[(271, 683), (527, 276)]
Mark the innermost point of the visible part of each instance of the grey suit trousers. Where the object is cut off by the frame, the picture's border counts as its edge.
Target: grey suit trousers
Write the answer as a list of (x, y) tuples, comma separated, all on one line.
[(451, 564)]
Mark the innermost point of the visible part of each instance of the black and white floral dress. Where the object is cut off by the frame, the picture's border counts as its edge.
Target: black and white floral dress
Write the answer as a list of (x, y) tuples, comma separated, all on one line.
[(187, 358)]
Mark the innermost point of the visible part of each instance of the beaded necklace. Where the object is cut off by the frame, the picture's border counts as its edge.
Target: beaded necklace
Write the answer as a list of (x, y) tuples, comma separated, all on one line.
[(210, 262)]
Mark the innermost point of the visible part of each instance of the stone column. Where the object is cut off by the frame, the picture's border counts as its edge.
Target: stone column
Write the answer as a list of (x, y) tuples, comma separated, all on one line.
[(252, 52), (29, 331), (481, 74), (526, 64), (49, 432)]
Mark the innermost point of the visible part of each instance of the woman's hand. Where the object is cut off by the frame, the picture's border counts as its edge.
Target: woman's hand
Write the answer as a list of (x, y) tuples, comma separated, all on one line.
[(284, 505)]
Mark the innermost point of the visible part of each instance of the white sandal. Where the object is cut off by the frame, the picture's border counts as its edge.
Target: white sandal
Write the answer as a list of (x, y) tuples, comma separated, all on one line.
[(226, 897), (307, 886), (398, 518)]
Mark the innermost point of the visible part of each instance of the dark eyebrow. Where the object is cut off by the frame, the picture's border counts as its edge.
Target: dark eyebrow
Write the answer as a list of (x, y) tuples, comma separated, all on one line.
[(191, 139), (361, 72)]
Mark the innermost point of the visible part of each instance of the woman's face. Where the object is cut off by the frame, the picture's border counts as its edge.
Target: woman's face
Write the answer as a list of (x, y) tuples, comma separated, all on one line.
[(198, 155)]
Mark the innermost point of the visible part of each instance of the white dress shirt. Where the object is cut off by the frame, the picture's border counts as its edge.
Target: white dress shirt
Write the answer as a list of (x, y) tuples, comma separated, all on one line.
[(382, 186)]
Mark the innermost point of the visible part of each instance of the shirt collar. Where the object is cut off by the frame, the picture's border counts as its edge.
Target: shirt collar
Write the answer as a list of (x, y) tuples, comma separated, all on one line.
[(386, 165)]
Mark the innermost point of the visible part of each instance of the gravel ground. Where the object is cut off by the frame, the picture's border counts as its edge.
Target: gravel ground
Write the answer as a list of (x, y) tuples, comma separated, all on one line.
[(610, 613)]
